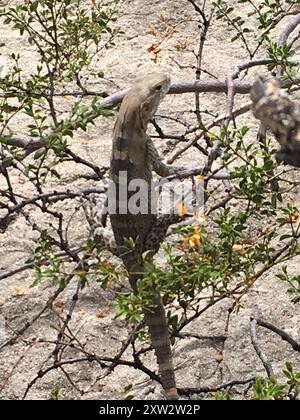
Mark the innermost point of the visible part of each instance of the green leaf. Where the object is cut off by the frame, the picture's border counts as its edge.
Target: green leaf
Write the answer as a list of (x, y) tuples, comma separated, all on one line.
[(39, 153)]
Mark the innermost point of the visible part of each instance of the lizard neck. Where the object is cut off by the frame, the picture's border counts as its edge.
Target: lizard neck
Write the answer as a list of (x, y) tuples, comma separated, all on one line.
[(130, 141), (131, 121)]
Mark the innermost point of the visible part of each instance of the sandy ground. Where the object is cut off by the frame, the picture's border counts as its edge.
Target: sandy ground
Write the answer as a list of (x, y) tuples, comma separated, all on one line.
[(195, 360)]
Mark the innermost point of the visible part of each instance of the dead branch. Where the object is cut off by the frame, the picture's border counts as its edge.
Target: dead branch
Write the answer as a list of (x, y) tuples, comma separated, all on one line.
[(182, 148), (204, 25), (58, 347), (285, 337), (91, 358), (261, 354), (290, 27), (206, 389), (28, 266), (51, 197), (29, 144)]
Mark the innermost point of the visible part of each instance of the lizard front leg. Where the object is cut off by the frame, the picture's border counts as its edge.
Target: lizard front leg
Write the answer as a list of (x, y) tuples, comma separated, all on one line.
[(157, 164), (99, 234)]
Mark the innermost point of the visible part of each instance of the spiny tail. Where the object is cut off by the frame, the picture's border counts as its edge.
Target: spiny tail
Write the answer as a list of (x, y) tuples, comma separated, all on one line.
[(155, 320)]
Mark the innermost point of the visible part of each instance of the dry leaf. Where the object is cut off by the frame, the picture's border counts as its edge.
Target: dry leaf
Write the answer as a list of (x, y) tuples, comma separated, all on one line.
[(170, 31), (154, 58), (219, 358), (294, 215), (101, 314), (180, 46), (240, 248), (152, 48), (162, 17), (22, 180), (20, 291), (151, 31), (58, 307)]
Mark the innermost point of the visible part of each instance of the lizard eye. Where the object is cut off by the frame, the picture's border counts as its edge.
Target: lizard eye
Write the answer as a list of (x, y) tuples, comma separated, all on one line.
[(158, 87)]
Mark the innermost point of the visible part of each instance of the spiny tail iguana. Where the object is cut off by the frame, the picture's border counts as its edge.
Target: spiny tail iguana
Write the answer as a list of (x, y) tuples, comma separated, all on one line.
[(134, 156)]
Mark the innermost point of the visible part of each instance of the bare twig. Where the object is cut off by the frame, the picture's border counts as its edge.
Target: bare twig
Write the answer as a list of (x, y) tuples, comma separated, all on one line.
[(182, 148), (261, 354), (28, 324), (50, 197), (285, 337), (28, 266), (90, 358), (206, 389), (66, 321)]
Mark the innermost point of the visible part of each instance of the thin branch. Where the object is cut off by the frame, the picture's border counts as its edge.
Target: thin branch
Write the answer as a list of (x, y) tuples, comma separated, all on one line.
[(285, 337), (28, 324), (248, 64), (261, 354), (51, 197), (90, 358), (67, 319), (206, 389), (28, 266), (184, 86), (290, 27), (182, 148), (84, 162), (284, 36)]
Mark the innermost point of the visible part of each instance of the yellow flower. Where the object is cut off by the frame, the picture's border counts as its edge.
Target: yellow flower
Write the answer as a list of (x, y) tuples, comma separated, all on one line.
[(241, 249), (151, 31), (194, 240), (211, 135), (294, 215)]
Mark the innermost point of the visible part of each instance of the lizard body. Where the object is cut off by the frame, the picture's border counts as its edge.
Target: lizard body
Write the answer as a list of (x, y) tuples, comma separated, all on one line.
[(134, 156)]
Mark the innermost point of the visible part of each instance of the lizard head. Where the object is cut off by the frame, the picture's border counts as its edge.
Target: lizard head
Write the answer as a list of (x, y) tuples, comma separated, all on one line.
[(140, 104), (151, 89)]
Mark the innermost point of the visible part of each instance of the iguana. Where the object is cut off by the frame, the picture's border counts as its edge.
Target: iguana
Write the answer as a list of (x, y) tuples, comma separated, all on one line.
[(275, 109), (133, 158)]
